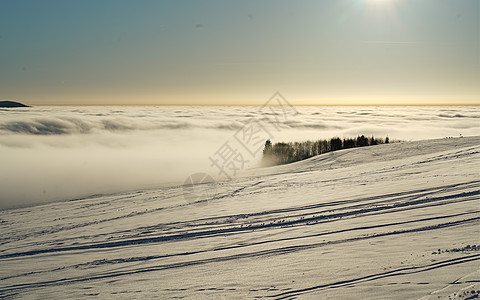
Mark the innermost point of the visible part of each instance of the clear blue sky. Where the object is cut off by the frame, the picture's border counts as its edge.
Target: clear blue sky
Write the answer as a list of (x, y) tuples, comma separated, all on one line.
[(240, 52)]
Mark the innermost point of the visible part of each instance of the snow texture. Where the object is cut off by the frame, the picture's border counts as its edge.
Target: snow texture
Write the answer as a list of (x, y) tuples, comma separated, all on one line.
[(394, 221)]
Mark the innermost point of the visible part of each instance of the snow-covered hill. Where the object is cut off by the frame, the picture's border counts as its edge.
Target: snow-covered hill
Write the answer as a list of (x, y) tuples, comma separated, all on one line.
[(390, 221)]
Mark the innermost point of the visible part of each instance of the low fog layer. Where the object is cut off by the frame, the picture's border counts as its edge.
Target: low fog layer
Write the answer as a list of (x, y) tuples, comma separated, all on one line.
[(62, 153)]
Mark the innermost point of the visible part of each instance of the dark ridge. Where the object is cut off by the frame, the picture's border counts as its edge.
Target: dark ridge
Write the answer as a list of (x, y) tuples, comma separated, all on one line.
[(12, 104)]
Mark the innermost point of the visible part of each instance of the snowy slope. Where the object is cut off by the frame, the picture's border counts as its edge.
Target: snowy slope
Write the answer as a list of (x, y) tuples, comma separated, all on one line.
[(390, 221)]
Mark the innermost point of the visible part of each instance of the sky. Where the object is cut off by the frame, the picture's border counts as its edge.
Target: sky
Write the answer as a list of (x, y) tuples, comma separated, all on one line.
[(220, 52)]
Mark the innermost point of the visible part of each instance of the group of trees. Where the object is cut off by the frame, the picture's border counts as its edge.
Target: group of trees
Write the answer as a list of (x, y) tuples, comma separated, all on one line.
[(284, 153)]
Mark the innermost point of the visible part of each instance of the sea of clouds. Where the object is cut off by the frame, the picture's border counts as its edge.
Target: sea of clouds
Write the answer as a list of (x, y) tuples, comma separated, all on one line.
[(63, 153)]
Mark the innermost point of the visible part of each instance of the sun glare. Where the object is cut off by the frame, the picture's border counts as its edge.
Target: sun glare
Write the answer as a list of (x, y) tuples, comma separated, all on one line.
[(379, 1)]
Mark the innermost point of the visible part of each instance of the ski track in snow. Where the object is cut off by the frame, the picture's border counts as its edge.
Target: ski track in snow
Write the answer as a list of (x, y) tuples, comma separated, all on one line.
[(359, 223)]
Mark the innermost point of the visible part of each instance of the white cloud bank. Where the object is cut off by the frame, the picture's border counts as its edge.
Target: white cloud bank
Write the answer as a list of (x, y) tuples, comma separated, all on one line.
[(62, 153)]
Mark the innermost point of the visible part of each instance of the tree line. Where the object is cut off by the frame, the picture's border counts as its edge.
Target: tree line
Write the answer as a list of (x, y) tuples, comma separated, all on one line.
[(284, 153)]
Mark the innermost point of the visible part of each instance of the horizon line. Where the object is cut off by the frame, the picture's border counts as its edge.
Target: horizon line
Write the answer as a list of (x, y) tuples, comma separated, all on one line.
[(282, 103), (302, 104)]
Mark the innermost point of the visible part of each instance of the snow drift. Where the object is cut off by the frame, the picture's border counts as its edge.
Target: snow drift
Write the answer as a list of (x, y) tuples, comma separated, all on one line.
[(389, 221)]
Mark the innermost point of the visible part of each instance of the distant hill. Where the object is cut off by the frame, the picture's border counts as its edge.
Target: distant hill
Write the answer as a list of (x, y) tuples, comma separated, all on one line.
[(12, 104)]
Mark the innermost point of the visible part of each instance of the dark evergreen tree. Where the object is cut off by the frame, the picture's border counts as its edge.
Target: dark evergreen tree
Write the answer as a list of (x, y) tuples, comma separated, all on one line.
[(268, 147), (335, 144), (362, 141), (348, 143)]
